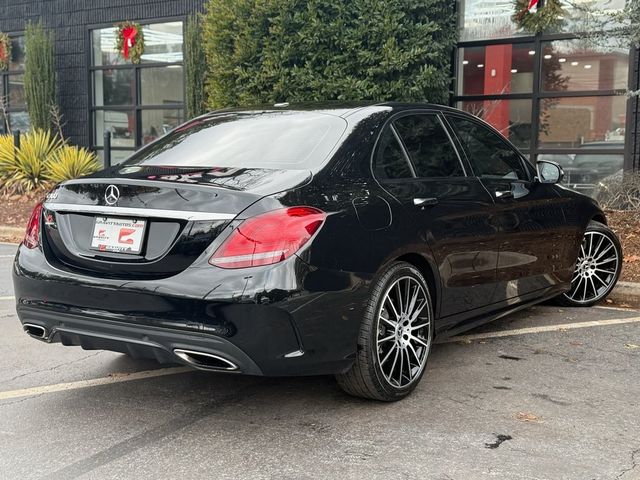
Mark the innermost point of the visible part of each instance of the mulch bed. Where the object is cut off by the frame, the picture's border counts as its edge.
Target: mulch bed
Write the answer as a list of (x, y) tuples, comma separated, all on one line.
[(15, 212), (627, 226)]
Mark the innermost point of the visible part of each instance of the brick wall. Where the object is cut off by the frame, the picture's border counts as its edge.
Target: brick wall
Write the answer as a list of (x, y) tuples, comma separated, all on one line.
[(69, 20)]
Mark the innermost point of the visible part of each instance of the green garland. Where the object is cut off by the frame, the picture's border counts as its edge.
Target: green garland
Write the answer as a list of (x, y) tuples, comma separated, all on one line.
[(5, 51), (135, 51), (548, 17)]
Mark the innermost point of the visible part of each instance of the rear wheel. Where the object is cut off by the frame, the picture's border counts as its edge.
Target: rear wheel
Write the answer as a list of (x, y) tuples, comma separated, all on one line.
[(597, 268), (395, 337)]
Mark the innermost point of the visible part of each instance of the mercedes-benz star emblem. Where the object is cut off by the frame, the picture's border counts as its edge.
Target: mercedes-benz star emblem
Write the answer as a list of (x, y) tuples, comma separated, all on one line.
[(111, 195)]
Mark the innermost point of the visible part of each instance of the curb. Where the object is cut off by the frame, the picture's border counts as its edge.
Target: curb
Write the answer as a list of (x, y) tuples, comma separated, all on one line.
[(627, 293)]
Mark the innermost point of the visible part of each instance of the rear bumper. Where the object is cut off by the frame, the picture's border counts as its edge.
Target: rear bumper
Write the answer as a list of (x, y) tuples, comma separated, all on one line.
[(156, 343), (285, 319)]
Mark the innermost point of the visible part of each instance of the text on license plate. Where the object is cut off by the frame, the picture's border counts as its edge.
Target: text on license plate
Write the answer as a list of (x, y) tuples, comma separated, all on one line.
[(119, 235)]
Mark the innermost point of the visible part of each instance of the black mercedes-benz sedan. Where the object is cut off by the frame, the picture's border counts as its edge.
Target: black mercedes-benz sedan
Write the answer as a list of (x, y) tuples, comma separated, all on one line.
[(309, 240)]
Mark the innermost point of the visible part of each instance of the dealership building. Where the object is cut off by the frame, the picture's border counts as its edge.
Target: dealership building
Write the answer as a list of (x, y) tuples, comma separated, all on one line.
[(552, 96)]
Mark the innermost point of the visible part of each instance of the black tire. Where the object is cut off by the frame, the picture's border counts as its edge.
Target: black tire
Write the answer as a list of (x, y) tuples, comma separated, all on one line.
[(366, 378), (606, 281)]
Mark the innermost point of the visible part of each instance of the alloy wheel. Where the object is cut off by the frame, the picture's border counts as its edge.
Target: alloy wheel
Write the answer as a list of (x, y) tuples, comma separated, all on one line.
[(596, 268), (403, 332)]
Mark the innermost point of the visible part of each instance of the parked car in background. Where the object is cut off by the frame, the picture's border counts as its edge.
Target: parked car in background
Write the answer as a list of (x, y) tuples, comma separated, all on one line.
[(309, 240), (585, 170)]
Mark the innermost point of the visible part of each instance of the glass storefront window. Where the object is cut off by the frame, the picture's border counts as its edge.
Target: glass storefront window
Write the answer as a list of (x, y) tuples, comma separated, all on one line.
[(16, 90), (19, 121), (137, 103), (486, 19), (512, 118), (590, 15), (569, 66), (162, 86), (574, 122), (163, 43), (121, 124), (156, 123), (113, 87), (496, 69), (17, 54), (104, 47)]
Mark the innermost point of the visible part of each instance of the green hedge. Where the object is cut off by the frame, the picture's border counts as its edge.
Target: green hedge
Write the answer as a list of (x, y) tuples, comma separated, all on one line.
[(266, 51)]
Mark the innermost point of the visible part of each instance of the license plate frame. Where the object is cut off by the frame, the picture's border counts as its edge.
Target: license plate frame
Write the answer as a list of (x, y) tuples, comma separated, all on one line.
[(118, 235)]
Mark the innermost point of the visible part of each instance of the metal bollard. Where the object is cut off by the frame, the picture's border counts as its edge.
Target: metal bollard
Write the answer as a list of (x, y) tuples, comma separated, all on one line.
[(107, 149)]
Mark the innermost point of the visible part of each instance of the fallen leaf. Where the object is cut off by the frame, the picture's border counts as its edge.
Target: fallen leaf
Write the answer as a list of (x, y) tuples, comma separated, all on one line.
[(576, 344), (608, 300), (632, 258), (631, 346), (527, 417)]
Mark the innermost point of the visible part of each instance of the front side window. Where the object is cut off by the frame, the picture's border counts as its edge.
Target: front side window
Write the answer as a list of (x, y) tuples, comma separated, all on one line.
[(136, 104), (390, 161), (490, 156), (429, 147)]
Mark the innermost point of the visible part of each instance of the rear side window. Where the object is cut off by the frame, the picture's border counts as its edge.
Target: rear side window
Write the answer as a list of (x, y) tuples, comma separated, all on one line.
[(390, 161), (429, 146), (490, 156), (287, 140)]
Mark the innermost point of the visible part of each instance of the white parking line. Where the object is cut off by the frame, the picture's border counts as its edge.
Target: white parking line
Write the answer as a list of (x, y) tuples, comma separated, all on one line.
[(113, 378), (546, 328), (7, 256)]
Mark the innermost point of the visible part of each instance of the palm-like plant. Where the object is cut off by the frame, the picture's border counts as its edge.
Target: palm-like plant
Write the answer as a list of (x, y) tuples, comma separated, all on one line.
[(27, 169), (71, 162)]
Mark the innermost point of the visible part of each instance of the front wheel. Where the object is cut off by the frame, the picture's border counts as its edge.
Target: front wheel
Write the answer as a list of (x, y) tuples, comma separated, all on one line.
[(597, 268), (395, 337)]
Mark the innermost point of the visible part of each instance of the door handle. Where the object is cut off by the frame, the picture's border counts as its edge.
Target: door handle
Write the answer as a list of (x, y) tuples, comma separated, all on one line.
[(504, 194), (425, 202)]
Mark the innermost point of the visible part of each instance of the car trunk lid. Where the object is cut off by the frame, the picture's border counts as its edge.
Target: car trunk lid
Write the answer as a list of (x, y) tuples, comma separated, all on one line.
[(150, 222)]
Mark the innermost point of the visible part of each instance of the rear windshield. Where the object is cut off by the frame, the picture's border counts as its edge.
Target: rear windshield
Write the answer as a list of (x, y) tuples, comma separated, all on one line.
[(277, 140)]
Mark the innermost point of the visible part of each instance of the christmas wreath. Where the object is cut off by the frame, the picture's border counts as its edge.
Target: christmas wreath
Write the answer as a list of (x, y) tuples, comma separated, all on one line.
[(130, 41), (5, 51), (533, 18)]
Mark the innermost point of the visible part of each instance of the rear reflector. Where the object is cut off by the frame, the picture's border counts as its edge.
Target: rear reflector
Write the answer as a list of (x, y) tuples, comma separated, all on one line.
[(268, 238), (32, 236)]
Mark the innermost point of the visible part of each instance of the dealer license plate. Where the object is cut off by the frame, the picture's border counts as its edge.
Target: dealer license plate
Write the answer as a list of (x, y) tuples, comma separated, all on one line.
[(119, 235)]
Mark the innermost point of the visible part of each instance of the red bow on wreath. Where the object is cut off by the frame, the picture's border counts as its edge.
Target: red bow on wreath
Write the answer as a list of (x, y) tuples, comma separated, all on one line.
[(129, 37)]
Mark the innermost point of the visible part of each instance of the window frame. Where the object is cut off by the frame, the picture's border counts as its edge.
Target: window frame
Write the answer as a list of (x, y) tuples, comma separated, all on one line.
[(390, 124), (137, 107), (4, 90)]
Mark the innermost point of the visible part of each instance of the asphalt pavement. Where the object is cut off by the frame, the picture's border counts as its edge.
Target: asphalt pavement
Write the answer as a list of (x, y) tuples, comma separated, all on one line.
[(549, 393)]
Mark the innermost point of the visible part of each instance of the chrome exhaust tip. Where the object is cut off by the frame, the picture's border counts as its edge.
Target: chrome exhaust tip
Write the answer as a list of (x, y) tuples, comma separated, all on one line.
[(205, 361), (36, 331)]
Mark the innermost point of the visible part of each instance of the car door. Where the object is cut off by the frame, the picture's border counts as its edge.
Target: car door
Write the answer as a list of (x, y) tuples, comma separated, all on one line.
[(528, 215), (447, 211)]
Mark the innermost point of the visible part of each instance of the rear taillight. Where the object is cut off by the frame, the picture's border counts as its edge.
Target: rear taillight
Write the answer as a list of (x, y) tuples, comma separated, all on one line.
[(268, 238), (32, 236)]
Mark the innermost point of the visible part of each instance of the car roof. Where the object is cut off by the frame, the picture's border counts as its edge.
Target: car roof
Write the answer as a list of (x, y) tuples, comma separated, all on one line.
[(337, 108)]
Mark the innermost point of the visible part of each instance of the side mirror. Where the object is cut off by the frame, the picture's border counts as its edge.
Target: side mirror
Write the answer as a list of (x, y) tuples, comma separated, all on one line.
[(549, 172)]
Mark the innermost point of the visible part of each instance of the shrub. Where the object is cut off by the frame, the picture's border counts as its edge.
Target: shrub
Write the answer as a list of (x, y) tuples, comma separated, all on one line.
[(70, 162), (620, 192), (27, 169), (265, 51), (6, 155), (195, 68), (39, 75)]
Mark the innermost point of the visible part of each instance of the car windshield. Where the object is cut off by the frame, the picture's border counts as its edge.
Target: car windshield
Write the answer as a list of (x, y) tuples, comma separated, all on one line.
[(275, 140)]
